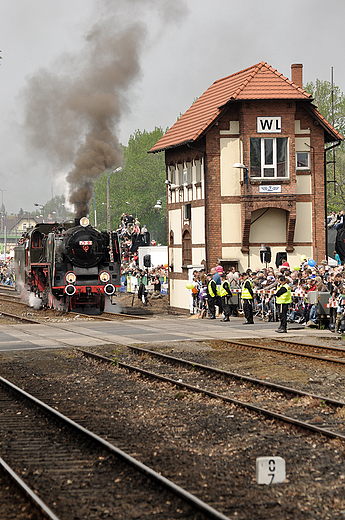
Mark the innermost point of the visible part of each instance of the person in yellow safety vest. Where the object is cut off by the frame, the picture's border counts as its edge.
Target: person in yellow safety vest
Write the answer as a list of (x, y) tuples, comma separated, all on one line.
[(247, 296), (283, 300), (224, 292), (212, 297)]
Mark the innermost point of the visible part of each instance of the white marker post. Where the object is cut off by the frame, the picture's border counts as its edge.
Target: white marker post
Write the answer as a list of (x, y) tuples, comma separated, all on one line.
[(270, 470)]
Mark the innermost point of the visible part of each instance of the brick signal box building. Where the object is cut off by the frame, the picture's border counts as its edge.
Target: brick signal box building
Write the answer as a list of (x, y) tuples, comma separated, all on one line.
[(218, 213)]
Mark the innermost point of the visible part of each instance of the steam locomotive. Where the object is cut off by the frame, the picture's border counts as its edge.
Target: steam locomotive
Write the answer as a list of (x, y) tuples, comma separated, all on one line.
[(338, 242), (68, 265)]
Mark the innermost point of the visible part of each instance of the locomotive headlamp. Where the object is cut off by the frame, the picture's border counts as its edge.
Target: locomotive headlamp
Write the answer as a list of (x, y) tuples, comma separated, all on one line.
[(109, 289), (69, 290), (71, 277), (84, 221), (104, 276)]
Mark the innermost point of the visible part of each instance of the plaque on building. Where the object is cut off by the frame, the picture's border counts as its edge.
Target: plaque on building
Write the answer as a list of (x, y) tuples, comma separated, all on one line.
[(270, 188)]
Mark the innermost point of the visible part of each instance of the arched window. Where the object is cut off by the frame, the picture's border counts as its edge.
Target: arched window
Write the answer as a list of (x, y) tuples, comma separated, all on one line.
[(179, 174), (171, 238), (197, 170), (186, 248), (171, 173)]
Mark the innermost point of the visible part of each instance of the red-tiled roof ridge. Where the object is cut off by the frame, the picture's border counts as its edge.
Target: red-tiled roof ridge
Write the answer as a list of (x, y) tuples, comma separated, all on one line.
[(281, 76), (255, 71), (249, 83), (256, 66)]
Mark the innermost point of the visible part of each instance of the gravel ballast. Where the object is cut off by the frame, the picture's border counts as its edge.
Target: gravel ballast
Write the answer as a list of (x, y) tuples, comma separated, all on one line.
[(206, 446)]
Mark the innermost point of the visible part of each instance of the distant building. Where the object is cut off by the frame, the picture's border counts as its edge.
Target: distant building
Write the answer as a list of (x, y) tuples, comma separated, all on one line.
[(15, 226), (216, 212)]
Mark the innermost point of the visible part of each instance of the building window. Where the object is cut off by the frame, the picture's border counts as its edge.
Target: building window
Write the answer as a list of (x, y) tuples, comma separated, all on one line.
[(269, 157), (302, 161), (186, 248), (171, 174), (185, 176), (189, 172), (179, 175), (197, 170), (187, 211)]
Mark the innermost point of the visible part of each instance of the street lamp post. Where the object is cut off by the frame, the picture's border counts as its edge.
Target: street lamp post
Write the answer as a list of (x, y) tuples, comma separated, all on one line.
[(158, 204), (2, 216), (5, 235), (95, 207), (119, 169), (245, 172)]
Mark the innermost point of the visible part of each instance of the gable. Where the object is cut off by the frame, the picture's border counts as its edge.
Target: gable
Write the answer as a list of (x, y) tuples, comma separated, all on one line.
[(260, 81)]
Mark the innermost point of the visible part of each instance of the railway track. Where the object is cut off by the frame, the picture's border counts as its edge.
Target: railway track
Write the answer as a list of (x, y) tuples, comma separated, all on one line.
[(296, 349), (11, 296), (14, 502), (305, 410), (77, 474), (36, 505), (111, 316)]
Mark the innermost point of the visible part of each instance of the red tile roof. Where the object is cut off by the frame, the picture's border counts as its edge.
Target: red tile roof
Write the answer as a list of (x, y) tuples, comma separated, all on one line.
[(260, 81)]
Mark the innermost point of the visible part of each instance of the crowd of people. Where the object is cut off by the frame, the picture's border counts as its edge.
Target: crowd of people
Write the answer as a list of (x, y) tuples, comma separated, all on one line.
[(273, 294), (335, 220), (132, 235), (7, 276)]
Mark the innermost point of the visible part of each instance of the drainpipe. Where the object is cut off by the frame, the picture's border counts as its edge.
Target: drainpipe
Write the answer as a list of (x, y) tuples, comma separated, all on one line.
[(314, 191), (325, 189)]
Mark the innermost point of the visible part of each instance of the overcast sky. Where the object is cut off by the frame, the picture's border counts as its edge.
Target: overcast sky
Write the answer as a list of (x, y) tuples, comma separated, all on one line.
[(181, 47)]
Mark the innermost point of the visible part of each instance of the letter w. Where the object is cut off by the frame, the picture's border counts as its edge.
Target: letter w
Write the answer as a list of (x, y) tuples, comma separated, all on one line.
[(267, 123)]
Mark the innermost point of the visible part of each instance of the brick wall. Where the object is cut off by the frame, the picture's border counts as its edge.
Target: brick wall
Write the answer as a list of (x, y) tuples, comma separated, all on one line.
[(251, 200)]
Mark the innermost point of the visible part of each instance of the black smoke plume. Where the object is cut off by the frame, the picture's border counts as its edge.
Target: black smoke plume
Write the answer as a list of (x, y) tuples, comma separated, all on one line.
[(73, 113)]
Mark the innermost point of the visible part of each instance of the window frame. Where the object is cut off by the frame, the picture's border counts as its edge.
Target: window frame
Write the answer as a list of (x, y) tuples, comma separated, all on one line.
[(198, 175), (269, 165), (36, 234), (187, 255), (171, 173), (303, 167)]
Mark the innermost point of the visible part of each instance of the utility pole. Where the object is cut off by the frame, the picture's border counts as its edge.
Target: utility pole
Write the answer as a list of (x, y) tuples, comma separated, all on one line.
[(119, 169)]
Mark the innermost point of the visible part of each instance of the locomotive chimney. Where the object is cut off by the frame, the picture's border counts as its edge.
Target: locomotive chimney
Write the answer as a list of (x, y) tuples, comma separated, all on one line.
[(77, 222), (297, 74)]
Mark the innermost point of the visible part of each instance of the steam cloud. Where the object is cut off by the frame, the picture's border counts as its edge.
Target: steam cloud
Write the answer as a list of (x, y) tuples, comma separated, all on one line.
[(72, 115)]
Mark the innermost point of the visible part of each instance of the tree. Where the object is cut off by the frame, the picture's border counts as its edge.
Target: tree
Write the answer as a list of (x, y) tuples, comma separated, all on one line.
[(55, 209), (137, 188), (321, 92)]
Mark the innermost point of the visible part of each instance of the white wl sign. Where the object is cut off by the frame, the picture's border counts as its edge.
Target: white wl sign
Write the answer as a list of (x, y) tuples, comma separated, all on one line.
[(269, 125)]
